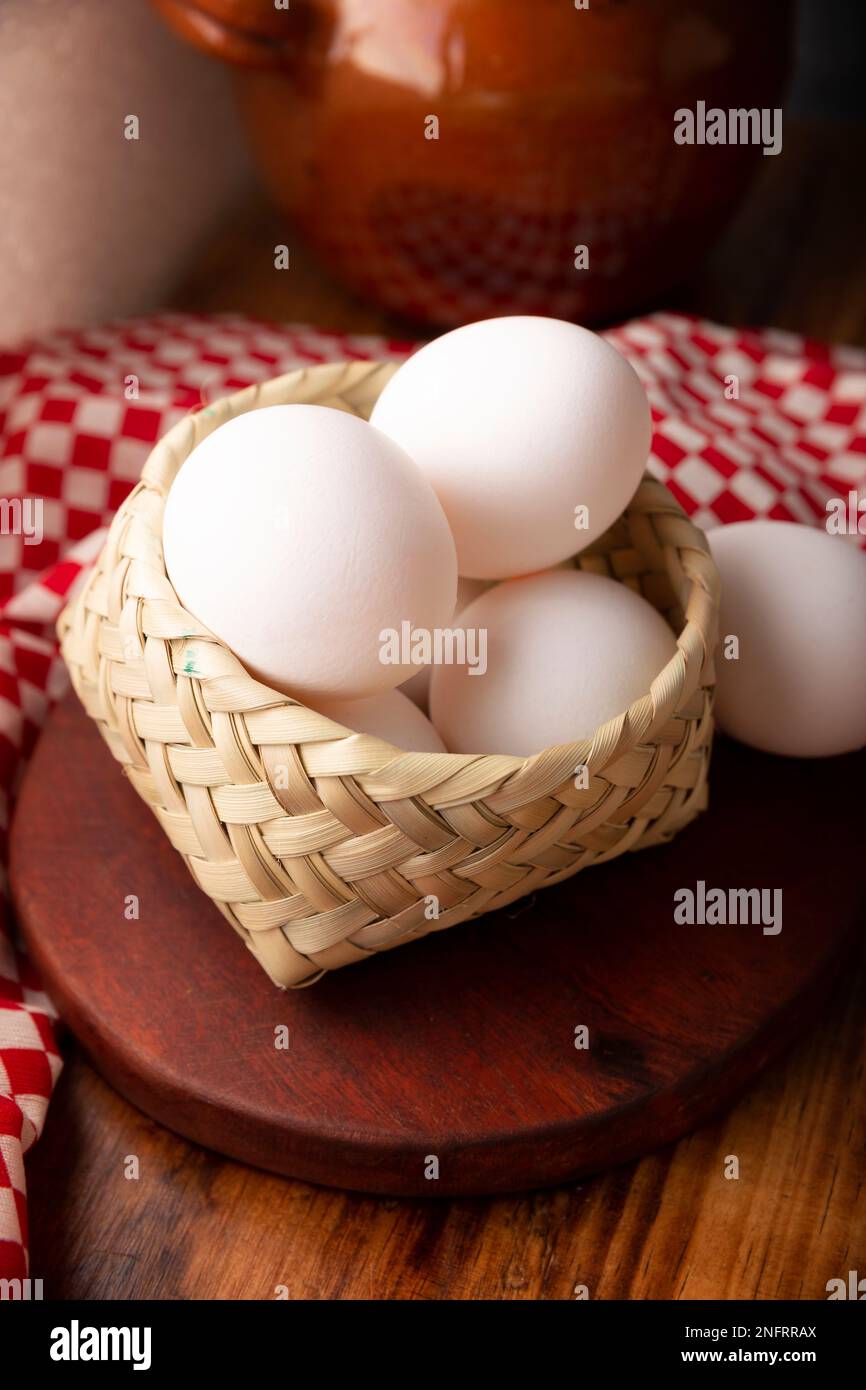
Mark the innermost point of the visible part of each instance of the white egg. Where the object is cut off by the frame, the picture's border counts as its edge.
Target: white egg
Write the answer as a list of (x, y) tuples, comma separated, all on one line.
[(565, 651), (417, 687), (299, 535), (520, 424), (391, 716), (795, 600)]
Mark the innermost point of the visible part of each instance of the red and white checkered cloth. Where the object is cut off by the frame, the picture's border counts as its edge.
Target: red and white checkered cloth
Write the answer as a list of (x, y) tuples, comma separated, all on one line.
[(746, 424)]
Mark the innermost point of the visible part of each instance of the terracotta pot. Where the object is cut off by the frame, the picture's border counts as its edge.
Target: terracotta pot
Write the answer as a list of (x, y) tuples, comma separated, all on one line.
[(555, 130)]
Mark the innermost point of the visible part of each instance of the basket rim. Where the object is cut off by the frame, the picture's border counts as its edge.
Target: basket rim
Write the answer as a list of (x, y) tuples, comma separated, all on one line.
[(610, 741)]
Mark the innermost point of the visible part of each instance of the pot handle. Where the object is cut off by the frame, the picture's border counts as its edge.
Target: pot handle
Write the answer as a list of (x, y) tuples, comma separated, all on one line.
[(246, 33)]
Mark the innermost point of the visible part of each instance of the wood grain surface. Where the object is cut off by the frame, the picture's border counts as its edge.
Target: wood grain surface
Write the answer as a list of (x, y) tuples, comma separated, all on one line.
[(670, 1226)]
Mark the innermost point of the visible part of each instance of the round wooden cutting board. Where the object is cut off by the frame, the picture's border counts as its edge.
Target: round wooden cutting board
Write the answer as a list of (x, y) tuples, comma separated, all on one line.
[(456, 1054)]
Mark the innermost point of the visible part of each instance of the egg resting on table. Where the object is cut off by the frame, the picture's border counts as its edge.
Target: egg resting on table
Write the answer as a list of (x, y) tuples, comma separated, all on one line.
[(794, 598)]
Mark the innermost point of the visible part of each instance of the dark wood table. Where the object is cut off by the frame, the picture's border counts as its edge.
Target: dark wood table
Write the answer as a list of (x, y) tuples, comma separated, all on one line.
[(671, 1226)]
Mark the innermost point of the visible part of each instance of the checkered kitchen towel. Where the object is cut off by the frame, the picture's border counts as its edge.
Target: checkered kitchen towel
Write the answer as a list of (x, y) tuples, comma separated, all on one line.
[(746, 424)]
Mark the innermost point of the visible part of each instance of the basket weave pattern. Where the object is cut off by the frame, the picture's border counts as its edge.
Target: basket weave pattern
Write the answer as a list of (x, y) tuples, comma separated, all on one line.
[(320, 846)]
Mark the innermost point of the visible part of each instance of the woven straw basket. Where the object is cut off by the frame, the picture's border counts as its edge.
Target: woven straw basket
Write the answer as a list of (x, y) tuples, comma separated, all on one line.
[(321, 846)]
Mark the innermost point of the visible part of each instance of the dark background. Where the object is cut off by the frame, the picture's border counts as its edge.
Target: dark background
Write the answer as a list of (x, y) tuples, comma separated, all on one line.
[(829, 79)]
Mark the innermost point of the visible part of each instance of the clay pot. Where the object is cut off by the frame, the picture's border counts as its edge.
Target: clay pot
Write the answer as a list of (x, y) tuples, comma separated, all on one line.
[(555, 130)]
